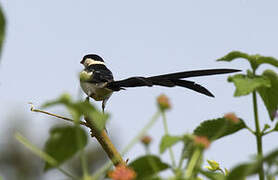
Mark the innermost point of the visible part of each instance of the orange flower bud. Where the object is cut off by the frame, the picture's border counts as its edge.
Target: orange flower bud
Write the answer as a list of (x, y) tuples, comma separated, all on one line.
[(232, 117), (163, 102), (146, 140), (122, 172), (202, 141)]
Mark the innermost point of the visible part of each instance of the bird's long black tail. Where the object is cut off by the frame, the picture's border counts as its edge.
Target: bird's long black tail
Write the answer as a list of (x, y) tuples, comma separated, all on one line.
[(170, 80)]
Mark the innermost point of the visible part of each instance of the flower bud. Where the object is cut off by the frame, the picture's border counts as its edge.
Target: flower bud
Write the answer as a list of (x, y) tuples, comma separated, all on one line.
[(163, 102), (122, 172), (146, 140), (232, 117), (202, 141)]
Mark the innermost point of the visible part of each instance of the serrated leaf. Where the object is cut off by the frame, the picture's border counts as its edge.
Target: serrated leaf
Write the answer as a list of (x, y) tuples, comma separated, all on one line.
[(217, 128), (2, 28), (246, 85), (270, 94), (254, 60), (167, 141), (64, 142), (147, 166), (80, 108)]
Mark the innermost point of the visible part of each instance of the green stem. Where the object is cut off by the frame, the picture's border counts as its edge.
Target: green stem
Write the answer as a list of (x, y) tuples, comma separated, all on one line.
[(166, 133), (43, 155), (267, 132), (250, 130), (258, 135), (147, 150), (137, 138), (192, 163), (180, 161), (142, 133), (82, 152)]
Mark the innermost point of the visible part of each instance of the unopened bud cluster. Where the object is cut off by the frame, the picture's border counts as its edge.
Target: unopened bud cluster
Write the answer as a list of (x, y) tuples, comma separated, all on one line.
[(163, 102)]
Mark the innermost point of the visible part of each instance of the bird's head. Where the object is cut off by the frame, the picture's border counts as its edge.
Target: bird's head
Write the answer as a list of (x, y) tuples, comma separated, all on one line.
[(91, 59)]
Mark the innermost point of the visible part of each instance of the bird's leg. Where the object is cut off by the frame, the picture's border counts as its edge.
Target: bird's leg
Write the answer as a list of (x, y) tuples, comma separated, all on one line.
[(103, 105), (88, 99)]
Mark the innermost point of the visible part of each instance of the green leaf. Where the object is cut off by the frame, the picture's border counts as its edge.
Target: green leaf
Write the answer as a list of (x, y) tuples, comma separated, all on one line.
[(147, 166), (254, 60), (245, 84), (64, 142), (79, 108), (46, 157), (2, 28), (276, 126), (271, 157), (270, 94), (241, 171), (213, 175), (267, 60), (234, 55), (167, 141), (217, 128)]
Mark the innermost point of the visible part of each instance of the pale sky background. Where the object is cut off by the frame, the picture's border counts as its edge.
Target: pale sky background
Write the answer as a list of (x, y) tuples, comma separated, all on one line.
[(46, 40)]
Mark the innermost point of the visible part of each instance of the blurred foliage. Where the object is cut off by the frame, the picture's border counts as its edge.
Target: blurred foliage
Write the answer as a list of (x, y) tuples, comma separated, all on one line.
[(148, 166), (64, 142), (2, 29), (16, 162)]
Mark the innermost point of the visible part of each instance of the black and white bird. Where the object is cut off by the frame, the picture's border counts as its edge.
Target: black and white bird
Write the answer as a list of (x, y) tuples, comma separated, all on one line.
[(97, 80)]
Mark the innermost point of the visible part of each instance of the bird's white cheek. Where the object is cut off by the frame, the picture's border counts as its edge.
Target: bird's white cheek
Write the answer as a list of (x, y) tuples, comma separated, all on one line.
[(90, 61)]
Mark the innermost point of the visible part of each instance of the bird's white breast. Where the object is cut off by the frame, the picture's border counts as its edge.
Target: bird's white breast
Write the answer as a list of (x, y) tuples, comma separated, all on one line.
[(96, 91)]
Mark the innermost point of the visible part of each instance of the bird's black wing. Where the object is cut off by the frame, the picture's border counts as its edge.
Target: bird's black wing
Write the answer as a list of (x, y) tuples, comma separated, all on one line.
[(99, 74), (170, 80)]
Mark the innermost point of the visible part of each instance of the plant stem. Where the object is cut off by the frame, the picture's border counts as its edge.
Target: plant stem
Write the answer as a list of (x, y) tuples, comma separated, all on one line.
[(137, 138), (82, 151), (43, 155), (181, 158), (142, 133), (55, 115), (105, 143), (166, 133), (258, 135), (192, 163), (102, 138)]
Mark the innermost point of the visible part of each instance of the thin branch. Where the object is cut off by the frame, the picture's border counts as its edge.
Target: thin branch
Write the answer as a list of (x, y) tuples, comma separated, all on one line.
[(57, 116), (135, 140), (101, 136), (105, 143)]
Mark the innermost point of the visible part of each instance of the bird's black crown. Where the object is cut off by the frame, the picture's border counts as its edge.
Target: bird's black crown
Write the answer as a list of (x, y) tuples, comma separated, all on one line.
[(92, 56)]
